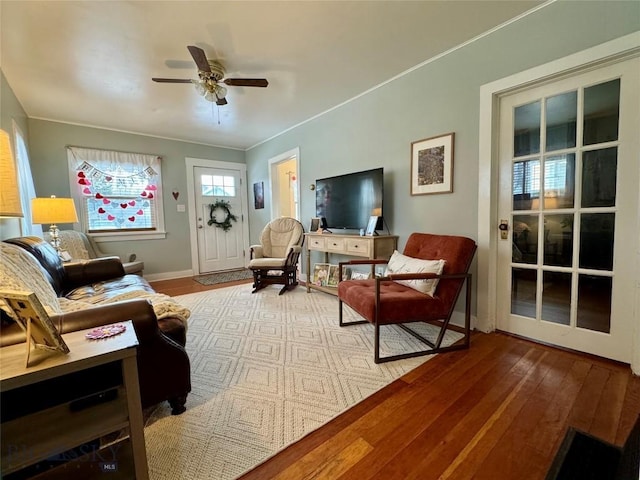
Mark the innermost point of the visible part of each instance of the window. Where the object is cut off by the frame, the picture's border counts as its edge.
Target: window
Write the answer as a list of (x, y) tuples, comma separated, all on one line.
[(117, 193), (25, 182), (218, 186)]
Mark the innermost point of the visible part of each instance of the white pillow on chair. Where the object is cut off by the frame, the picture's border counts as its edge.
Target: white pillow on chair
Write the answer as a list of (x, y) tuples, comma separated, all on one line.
[(399, 263)]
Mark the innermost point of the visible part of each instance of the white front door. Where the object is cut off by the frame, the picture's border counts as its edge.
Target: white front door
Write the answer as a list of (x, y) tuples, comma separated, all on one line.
[(218, 249), (568, 178)]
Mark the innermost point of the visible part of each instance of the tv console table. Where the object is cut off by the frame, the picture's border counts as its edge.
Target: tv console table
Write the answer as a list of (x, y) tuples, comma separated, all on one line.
[(371, 247)]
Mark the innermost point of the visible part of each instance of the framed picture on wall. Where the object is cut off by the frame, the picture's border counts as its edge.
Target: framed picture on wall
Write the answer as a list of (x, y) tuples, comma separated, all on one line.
[(258, 195), (432, 165)]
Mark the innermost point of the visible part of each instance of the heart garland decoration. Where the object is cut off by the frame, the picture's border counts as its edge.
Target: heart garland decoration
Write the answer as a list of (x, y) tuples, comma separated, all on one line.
[(145, 195)]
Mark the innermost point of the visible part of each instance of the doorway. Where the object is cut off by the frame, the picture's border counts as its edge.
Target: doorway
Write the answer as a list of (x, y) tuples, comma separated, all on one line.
[(565, 189), (217, 210), (284, 184)]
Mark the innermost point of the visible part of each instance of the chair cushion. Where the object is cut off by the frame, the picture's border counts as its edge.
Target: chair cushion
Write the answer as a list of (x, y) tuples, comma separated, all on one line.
[(399, 263), (280, 235), (398, 303), (265, 263)]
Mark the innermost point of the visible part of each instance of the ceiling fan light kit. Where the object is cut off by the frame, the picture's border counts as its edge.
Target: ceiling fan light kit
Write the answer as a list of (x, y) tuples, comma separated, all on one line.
[(210, 76)]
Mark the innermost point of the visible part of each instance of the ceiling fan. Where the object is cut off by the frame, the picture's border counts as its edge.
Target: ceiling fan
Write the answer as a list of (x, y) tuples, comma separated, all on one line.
[(211, 77)]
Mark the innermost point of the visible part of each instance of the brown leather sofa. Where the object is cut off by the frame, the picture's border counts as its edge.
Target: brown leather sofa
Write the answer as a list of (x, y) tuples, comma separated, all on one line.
[(163, 363)]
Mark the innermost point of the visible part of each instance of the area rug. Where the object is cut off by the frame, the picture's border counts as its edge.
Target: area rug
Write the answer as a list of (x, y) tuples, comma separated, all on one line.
[(266, 370), (223, 277)]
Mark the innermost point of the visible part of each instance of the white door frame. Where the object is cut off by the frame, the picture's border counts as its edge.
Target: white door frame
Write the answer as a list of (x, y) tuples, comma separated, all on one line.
[(624, 47), (190, 163), (273, 177)]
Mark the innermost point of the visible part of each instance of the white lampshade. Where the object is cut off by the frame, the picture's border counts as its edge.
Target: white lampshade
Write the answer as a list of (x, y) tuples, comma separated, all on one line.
[(53, 210), (9, 194)]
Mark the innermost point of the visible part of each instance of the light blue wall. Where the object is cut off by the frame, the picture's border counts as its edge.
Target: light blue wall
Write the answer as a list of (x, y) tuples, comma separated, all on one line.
[(49, 163), (443, 96)]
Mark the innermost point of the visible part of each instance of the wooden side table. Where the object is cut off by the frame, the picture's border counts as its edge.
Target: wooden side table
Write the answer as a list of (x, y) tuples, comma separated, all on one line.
[(41, 428)]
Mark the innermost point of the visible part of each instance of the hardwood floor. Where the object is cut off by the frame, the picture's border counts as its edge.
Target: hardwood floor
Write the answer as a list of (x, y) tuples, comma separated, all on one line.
[(496, 411)]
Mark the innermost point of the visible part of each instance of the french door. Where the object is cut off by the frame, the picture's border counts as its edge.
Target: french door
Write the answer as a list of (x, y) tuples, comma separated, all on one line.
[(569, 168)]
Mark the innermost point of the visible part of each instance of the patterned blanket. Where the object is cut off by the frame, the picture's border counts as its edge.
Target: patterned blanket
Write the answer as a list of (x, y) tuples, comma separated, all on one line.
[(20, 271)]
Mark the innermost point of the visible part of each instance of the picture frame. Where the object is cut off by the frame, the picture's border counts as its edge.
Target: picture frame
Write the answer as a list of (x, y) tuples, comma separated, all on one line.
[(360, 275), (258, 195), (333, 276), (32, 317), (371, 226), (346, 273), (432, 165), (315, 224), (321, 274)]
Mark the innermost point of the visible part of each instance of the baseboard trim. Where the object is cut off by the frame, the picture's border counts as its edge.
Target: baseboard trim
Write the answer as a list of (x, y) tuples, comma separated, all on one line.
[(154, 277)]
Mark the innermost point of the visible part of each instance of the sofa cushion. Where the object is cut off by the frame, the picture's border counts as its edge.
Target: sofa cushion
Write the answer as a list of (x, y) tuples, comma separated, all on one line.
[(19, 270)]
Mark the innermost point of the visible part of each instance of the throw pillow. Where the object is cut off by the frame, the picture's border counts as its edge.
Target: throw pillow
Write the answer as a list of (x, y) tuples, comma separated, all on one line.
[(399, 263)]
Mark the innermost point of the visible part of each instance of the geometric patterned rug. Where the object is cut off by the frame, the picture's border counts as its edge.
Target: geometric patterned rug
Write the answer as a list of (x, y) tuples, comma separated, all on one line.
[(266, 370)]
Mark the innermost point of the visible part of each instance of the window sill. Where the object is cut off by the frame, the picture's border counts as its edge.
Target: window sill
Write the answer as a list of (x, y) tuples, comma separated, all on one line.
[(128, 236)]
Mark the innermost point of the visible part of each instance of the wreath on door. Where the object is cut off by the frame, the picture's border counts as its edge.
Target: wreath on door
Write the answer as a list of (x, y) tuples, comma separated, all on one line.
[(229, 217)]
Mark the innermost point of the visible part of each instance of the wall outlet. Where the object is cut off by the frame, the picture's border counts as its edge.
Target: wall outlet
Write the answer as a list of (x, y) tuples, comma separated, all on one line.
[(181, 207)]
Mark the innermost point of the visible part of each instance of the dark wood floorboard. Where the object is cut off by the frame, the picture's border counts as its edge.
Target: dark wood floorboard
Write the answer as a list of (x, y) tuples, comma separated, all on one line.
[(497, 410)]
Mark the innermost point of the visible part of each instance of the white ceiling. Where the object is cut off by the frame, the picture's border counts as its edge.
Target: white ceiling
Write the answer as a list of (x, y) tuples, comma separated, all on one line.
[(91, 62)]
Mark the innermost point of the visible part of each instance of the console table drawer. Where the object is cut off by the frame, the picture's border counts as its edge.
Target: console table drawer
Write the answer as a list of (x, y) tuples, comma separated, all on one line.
[(358, 246), (335, 245), (316, 243)]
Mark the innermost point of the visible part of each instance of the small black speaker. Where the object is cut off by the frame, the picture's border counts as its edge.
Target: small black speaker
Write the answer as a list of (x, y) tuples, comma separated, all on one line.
[(323, 223)]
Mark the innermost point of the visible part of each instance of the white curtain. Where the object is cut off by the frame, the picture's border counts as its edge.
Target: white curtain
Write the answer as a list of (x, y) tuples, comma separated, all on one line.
[(25, 182)]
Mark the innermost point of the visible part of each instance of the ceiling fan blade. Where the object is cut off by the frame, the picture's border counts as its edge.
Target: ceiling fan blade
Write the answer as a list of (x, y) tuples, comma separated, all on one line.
[(246, 82), (221, 101), (200, 58), (171, 80)]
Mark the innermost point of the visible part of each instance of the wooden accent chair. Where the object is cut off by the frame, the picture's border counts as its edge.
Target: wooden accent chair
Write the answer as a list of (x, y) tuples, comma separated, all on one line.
[(389, 300), (275, 260)]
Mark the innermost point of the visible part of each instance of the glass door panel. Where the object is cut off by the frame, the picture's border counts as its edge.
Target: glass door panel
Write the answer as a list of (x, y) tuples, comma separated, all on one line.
[(558, 240), (561, 115), (556, 297), (599, 174), (523, 292), (601, 112), (594, 303), (596, 240)]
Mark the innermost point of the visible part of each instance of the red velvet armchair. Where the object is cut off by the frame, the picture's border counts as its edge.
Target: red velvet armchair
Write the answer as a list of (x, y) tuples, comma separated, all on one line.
[(387, 300)]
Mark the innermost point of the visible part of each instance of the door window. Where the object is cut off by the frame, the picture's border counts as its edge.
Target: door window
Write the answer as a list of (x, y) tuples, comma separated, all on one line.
[(564, 171)]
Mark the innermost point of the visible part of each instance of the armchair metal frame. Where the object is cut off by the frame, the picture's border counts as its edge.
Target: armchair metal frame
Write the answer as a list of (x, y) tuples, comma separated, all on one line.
[(383, 301), (444, 323)]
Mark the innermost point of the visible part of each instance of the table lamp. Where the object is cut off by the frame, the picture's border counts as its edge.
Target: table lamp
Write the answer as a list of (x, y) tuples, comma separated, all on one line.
[(54, 210), (9, 194)]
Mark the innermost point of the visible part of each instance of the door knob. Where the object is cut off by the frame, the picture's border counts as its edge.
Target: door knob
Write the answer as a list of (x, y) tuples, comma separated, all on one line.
[(504, 229)]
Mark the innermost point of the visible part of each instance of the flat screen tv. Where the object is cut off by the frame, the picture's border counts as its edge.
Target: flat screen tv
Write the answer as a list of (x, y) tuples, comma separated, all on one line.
[(347, 201)]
